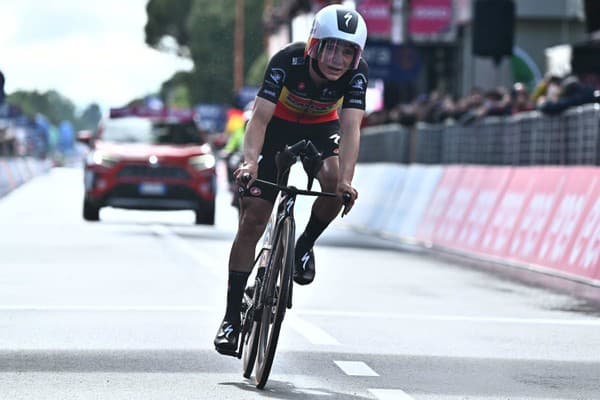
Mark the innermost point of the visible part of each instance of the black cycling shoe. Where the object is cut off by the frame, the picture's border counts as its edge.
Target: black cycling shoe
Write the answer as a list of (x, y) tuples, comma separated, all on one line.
[(226, 341), (304, 271)]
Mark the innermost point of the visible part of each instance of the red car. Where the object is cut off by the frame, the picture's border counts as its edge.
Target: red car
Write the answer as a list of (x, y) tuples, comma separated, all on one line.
[(150, 164)]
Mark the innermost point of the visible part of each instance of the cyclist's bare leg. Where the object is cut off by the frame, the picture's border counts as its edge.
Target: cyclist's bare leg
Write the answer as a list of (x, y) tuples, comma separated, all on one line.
[(327, 208), (254, 216), (324, 210)]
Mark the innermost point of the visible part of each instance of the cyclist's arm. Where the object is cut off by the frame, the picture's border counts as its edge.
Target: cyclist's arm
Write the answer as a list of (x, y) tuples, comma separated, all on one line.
[(255, 131), (350, 120)]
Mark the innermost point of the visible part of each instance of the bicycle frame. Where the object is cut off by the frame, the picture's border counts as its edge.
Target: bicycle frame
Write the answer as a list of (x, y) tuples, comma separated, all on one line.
[(262, 333)]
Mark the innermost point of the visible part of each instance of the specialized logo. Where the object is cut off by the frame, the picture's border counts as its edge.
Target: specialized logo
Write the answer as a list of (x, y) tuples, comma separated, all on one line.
[(305, 259), (289, 205), (348, 18), (336, 138), (255, 191), (228, 331), (328, 92), (347, 21)]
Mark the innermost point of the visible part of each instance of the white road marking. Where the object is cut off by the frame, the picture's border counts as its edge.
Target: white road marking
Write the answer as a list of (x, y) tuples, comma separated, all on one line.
[(390, 394), (311, 332), (355, 368), (106, 308), (452, 318), (201, 259)]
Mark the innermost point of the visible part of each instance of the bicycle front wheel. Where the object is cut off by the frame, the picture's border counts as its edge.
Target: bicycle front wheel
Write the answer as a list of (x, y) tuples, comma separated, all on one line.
[(250, 332), (278, 279)]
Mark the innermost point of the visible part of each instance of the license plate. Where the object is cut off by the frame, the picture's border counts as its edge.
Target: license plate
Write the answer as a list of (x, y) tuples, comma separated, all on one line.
[(152, 189)]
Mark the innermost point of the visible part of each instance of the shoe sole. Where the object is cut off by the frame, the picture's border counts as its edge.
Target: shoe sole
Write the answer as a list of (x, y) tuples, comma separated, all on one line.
[(227, 352)]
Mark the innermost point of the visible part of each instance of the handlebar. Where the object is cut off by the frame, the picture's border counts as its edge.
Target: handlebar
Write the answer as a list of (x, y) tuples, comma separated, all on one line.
[(346, 197), (311, 162)]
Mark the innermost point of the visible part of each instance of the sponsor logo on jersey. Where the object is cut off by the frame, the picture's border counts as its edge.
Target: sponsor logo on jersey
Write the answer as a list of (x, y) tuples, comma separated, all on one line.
[(277, 76), (359, 82), (297, 60), (306, 106)]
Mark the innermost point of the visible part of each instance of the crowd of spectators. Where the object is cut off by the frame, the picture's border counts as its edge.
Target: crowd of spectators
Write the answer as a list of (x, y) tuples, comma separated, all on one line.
[(552, 95)]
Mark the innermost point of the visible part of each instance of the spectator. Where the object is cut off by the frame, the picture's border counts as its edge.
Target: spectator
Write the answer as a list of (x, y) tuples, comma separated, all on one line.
[(497, 103), (547, 88), (520, 99), (572, 93)]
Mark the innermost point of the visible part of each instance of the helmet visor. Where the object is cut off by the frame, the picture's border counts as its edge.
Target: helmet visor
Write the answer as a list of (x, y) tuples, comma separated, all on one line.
[(338, 53)]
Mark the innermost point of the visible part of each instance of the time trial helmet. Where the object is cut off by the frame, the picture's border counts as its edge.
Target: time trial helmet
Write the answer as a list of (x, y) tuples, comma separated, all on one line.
[(336, 22)]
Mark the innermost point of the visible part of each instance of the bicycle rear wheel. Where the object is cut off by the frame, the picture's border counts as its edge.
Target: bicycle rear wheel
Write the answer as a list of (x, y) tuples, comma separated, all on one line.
[(278, 279)]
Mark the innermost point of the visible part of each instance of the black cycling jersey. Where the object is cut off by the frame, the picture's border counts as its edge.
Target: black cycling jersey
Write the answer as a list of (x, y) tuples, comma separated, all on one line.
[(288, 84), (303, 110)]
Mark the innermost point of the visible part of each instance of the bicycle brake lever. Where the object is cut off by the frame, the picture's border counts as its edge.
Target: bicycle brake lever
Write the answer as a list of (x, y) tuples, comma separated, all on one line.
[(346, 198)]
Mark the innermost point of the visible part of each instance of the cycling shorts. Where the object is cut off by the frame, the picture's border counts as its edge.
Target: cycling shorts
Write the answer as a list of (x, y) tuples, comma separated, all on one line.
[(325, 136)]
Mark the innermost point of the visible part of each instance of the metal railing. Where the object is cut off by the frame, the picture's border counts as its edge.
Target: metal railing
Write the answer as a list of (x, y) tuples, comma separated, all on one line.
[(531, 138)]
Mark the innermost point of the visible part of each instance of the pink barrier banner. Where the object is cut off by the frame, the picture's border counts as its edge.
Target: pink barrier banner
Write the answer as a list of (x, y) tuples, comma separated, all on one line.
[(583, 250), (459, 203), (498, 234), (490, 191), (439, 202), (540, 206)]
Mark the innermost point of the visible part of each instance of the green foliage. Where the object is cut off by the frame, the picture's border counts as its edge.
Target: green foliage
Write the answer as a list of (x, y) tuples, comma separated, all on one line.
[(90, 117), (167, 18), (257, 70), (52, 104), (205, 30), (55, 107)]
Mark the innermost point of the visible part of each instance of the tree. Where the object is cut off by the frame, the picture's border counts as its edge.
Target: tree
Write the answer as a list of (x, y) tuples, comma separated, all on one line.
[(90, 117), (203, 30), (55, 107), (52, 104)]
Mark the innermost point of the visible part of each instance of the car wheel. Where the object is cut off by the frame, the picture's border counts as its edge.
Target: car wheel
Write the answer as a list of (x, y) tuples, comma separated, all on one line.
[(90, 211), (205, 216)]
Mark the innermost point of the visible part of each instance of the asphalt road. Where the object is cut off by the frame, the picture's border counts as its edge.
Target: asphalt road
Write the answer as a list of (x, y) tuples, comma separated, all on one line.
[(127, 309)]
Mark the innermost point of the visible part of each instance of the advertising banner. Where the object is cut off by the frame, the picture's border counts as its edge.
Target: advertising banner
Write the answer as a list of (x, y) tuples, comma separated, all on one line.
[(490, 191), (431, 20), (505, 217), (547, 187), (440, 201), (412, 200), (451, 222)]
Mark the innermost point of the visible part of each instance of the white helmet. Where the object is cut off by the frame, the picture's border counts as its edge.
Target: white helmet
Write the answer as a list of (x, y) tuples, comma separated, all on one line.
[(337, 22)]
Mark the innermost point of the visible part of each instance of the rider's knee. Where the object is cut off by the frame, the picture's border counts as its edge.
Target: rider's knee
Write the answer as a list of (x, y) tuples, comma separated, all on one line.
[(328, 181), (253, 223)]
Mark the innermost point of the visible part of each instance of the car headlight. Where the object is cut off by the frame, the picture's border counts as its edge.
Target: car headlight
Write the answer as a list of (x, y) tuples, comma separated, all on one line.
[(99, 158), (202, 162)]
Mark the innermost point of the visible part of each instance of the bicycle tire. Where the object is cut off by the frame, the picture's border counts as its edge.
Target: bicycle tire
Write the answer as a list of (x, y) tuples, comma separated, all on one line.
[(277, 281), (250, 337)]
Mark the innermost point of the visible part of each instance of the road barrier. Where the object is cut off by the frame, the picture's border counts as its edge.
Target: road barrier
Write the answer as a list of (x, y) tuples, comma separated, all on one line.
[(16, 171), (544, 218)]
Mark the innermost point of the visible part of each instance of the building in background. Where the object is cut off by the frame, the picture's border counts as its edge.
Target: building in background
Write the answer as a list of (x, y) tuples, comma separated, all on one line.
[(420, 46)]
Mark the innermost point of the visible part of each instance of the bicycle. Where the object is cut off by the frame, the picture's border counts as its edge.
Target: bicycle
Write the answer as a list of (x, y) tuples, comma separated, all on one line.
[(264, 304)]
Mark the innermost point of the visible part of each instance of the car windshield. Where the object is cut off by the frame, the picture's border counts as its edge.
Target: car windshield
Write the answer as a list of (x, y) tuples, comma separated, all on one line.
[(143, 130)]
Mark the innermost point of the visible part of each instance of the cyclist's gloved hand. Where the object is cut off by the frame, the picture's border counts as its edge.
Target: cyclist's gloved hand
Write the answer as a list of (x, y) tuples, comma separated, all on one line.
[(247, 168), (346, 188)]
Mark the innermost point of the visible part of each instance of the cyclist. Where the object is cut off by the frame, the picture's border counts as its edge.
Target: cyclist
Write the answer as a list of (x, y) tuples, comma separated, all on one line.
[(304, 86)]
